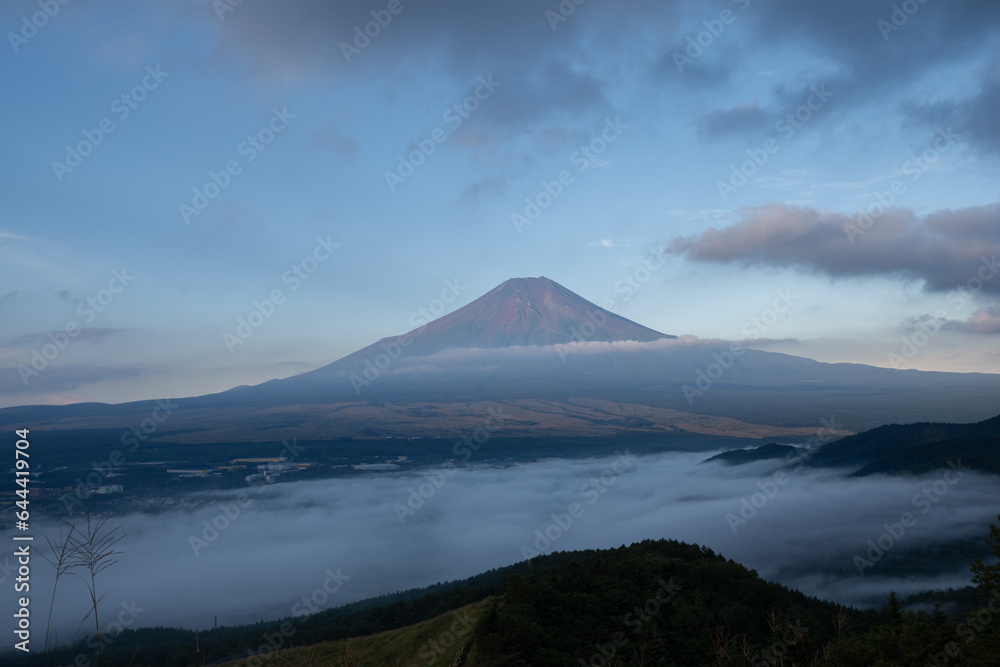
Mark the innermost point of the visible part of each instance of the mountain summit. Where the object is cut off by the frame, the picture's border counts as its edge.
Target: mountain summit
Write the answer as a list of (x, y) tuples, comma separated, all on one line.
[(520, 312)]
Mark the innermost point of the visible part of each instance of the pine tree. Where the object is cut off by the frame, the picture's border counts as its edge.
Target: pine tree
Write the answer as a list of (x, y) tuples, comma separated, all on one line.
[(987, 577)]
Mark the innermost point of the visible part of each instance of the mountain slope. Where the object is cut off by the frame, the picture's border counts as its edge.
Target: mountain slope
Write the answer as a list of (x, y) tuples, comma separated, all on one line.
[(519, 312)]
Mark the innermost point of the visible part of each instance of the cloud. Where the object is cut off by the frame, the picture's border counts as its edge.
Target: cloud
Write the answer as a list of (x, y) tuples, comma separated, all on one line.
[(977, 115), (742, 119), (984, 321), (844, 45), (62, 378), (610, 243), (491, 186), (329, 139), (849, 34), (7, 235), (546, 72), (947, 249), (481, 356), (93, 334)]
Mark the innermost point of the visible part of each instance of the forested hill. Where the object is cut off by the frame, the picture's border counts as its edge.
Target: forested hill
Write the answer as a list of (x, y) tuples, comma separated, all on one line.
[(658, 602), (916, 448), (892, 449)]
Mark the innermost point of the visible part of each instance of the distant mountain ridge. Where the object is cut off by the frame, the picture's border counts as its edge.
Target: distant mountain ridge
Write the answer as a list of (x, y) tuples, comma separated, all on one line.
[(916, 448), (893, 449)]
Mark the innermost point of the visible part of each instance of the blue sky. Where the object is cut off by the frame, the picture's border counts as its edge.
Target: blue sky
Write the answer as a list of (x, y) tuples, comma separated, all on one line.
[(712, 155)]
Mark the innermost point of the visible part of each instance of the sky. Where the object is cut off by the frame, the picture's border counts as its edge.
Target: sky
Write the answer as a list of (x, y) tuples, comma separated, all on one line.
[(333, 171), (358, 537)]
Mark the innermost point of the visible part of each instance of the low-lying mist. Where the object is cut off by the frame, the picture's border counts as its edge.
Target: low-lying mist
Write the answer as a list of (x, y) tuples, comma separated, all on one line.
[(280, 550)]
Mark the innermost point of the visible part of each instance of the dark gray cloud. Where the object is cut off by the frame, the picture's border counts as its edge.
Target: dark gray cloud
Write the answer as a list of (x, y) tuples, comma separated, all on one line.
[(545, 71), (867, 57), (743, 119), (93, 334), (946, 249), (60, 378), (491, 186), (973, 116), (984, 321), (977, 116), (329, 139), (715, 69), (562, 75)]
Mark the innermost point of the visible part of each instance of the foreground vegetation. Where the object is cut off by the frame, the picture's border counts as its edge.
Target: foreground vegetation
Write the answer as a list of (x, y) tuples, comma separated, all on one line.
[(652, 603)]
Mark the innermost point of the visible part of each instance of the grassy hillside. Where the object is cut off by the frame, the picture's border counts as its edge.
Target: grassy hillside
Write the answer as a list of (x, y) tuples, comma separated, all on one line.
[(444, 640)]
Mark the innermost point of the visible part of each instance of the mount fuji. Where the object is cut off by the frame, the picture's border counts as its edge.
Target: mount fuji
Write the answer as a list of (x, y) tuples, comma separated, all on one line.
[(559, 365)]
